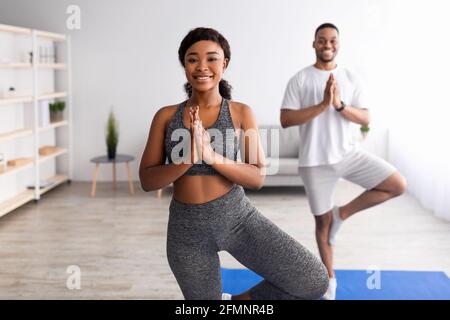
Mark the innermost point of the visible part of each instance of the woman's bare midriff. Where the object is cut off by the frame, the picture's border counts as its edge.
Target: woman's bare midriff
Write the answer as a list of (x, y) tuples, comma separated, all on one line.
[(200, 189)]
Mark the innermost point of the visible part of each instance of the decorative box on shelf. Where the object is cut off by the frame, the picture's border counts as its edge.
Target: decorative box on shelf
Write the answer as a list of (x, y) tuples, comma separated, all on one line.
[(46, 150), (19, 162)]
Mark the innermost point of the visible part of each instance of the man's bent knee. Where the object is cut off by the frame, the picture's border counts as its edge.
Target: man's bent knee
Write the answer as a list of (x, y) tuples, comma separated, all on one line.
[(399, 186)]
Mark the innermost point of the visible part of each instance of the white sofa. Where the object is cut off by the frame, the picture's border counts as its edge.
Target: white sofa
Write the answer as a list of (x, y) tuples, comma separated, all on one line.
[(281, 148)]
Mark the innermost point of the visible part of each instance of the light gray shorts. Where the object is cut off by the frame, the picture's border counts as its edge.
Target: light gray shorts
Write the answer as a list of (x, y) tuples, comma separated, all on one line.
[(358, 166)]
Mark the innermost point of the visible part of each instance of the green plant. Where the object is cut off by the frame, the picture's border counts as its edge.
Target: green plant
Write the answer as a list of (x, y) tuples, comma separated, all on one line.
[(57, 106), (365, 129), (112, 134)]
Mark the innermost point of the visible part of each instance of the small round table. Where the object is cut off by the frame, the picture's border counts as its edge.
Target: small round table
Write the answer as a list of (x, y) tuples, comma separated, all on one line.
[(120, 158)]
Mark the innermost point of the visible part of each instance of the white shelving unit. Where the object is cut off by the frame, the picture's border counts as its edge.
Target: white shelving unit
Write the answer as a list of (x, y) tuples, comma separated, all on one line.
[(22, 130)]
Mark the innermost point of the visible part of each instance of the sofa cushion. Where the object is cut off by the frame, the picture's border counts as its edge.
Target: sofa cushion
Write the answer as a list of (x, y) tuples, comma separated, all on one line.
[(276, 140), (289, 142), (286, 166)]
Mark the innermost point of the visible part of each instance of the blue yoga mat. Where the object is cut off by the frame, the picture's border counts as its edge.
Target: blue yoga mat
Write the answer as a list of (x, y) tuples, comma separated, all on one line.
[(363, 285)]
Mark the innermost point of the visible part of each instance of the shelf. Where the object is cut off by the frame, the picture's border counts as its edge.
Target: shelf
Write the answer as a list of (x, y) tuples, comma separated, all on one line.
[(11, 67), (57, 66), (15, 134), (25, 65), (16, 169), (15, 202), (59, 152), (52, 95), (51, 35), (53, 126), (56, 181), (13, 29), (15, 100), (16, 65), (25, 99)]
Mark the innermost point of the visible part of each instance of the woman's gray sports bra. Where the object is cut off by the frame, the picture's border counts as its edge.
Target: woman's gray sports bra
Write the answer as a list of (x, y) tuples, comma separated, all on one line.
[(223, 140)]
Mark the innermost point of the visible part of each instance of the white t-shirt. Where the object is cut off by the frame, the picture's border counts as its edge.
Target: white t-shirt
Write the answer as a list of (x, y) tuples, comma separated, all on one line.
[(327, 138)]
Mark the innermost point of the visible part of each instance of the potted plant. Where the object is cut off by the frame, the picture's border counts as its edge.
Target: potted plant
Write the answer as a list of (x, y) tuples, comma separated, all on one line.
[(112, 135), (364, 131), (56, 111)]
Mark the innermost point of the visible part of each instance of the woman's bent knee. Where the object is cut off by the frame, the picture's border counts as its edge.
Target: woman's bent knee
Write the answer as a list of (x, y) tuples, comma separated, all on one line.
[(320, 282), (312, 285)]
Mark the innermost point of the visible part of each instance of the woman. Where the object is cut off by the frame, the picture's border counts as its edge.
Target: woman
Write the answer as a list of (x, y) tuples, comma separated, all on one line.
[(209, 211)]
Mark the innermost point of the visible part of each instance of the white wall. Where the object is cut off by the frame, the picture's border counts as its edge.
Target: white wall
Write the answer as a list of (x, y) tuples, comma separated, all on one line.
[(418, 140), (126, 55)]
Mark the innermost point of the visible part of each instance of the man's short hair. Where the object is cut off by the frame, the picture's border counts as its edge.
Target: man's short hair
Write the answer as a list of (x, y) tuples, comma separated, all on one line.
[(325, 25)]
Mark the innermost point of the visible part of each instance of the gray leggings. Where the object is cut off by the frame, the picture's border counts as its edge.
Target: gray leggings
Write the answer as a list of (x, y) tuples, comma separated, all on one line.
[(197, 232)]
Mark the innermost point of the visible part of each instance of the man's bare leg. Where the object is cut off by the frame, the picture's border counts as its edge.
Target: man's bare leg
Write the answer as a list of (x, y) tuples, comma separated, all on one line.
[(393, 186), (323, 223)]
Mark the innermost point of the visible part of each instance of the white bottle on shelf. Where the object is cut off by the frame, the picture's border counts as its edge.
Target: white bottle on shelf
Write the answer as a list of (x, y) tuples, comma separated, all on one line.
[(51, 54), (44, 113)]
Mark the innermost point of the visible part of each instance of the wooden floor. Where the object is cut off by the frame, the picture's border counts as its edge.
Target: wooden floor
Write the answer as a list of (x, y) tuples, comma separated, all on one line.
[(118, 240)]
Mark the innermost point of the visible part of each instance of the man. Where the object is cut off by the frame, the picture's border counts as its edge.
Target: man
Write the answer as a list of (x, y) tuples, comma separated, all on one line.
[(324, 100)]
